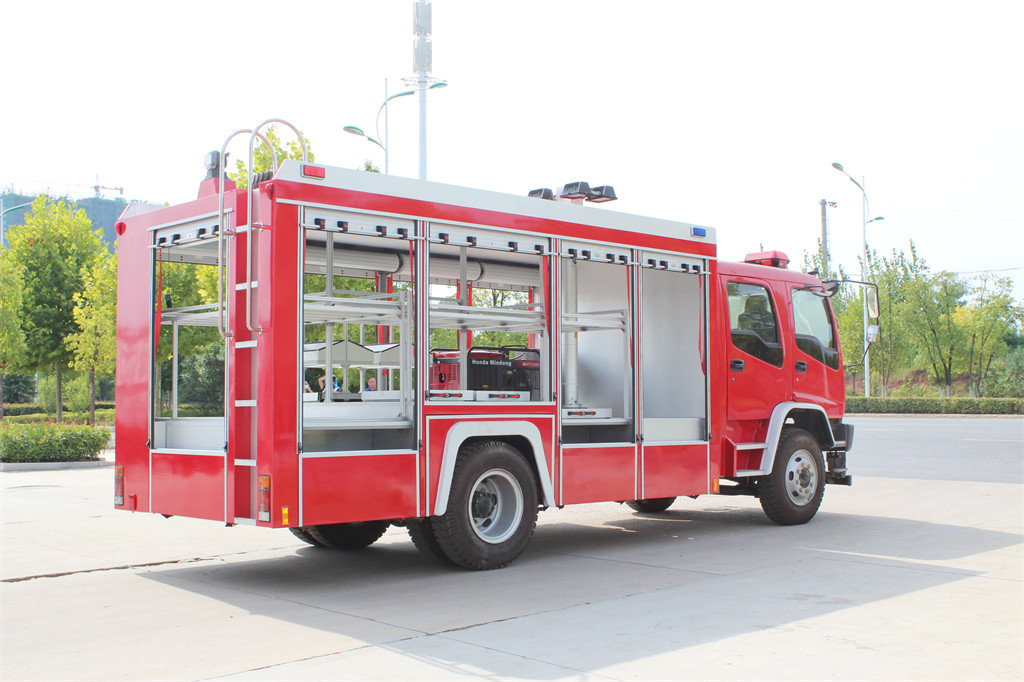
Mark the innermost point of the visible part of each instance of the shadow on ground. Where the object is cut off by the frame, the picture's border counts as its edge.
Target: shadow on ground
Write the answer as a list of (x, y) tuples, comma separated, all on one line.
[(693, 576)]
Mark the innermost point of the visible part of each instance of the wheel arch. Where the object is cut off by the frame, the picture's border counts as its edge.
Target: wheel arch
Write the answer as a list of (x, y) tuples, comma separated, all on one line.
[(522, 435), (807, 416)]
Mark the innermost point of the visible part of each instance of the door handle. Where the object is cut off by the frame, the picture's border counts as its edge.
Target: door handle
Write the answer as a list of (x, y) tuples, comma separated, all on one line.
[(801, 366), (736, 365)]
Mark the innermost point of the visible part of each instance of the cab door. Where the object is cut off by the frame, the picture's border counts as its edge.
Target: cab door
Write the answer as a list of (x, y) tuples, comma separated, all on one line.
[(757, 376), (817, 373)]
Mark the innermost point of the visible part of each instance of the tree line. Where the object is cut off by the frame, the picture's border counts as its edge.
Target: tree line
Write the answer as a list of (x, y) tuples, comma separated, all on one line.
[(963, 334), (58, 292)]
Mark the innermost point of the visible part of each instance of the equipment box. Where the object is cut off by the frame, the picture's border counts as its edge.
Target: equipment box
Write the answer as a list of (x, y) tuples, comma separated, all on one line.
[(489, 368)]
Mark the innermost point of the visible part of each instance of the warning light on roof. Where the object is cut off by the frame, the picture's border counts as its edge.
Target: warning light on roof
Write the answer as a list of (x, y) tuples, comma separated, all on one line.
[(314, 171), (775, 259)]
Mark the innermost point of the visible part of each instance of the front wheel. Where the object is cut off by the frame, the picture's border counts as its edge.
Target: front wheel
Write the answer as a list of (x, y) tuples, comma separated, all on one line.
[(492, 508), (793, 492)]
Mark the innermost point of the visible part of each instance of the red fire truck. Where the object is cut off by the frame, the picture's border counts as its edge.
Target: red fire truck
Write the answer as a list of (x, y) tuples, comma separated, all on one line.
[(451, 360)]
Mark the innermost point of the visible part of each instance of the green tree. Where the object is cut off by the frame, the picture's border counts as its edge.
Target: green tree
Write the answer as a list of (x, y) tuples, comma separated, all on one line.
[(263, 159), (12, 338), (893, 351), (986, 320), (55, 246), (929, 315), (94, 345)]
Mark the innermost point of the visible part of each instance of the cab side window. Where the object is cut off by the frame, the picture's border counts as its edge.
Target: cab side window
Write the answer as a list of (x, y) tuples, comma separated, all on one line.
[(812, 324), (755, 328)]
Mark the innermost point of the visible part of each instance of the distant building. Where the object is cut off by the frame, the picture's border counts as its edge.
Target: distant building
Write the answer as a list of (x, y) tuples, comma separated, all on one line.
[(101, 211)]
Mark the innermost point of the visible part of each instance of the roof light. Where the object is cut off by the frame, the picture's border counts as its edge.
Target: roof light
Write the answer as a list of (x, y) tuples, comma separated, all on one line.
[(698, 231), (574, 190), (542, 193), (313, 171), (599, 195), (775, 259), (212, 163)]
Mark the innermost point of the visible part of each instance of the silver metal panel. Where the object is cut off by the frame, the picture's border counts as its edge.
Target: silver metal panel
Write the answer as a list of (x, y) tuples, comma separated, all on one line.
[(670, 317)]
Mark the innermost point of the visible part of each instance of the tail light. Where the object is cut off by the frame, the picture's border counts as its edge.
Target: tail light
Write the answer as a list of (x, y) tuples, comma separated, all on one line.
[(263, 507), (119, 486)]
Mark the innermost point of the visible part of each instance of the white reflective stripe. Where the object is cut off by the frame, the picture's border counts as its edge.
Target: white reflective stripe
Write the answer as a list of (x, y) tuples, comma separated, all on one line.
[(183, 451), (778, 420), (246, 344), (245, 403), (356, 453), (463, 430)]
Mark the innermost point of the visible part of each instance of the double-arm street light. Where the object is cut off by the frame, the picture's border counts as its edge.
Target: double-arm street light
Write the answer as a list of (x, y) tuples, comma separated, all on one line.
[(383, 109), (864, 275), (3, 212)]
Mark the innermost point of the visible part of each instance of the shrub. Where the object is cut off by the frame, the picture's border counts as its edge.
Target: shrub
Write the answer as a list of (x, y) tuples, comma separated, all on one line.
[(15, 410), (105, 417), (76, 393), (46, 393), (51, 443), (910, 405)]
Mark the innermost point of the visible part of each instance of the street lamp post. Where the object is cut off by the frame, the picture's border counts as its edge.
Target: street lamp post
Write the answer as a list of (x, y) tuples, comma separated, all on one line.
[(383, 108), (3, 212), (864, 275)]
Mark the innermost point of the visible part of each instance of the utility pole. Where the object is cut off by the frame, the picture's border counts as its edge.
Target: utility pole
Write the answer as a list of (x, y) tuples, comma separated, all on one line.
[(97, 187), (824, 235), (422, 57)]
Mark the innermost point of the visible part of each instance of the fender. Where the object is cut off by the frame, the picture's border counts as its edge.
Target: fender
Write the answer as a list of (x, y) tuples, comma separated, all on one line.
[(775, 424), (458, 434)]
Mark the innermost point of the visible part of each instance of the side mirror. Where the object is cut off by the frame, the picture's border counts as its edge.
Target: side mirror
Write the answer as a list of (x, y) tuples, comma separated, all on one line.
[(871, 293), (872, 332)]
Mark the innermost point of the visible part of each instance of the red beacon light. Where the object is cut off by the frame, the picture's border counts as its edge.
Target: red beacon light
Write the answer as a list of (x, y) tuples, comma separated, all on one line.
[(774, 259)]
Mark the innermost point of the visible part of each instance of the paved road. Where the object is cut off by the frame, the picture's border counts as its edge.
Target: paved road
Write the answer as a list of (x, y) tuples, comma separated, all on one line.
[(915, 572)]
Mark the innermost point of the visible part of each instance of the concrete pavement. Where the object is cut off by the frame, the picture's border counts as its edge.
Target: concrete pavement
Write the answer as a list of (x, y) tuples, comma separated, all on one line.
[(896, 578)]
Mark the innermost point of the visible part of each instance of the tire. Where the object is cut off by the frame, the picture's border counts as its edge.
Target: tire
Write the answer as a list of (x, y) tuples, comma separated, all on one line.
[(655, 505), (348, 536), (302, 533), (492, 508), (421, 531), (793, 492)]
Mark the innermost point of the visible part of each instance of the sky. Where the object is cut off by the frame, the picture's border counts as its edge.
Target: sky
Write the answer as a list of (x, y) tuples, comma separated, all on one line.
[(721, 113)]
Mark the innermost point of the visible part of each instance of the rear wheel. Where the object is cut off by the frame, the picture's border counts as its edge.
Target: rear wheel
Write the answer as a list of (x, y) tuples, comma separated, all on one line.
[(793, 492), (654, 505), (348, 535), (492, 508), (302, 533), (422, 533)]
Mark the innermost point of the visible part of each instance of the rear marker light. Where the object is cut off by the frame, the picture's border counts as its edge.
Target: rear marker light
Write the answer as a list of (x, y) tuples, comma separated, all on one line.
[(314, 171), (119, 486), (264, 498), (699, 231)]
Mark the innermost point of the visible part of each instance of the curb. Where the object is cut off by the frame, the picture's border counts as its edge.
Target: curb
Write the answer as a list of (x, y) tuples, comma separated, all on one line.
[(51, 466)]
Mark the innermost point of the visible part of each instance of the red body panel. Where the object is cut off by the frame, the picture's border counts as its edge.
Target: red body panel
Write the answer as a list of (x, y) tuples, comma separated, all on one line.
[(188, 485), (358, 488), (674, 470), (599, 474)]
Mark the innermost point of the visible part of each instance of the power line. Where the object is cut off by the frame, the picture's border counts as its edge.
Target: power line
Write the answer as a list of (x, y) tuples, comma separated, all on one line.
[(975, 272)]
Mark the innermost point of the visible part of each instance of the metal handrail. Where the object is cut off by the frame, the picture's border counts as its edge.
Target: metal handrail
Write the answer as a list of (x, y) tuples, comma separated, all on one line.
[(222, 325), (251, 190)]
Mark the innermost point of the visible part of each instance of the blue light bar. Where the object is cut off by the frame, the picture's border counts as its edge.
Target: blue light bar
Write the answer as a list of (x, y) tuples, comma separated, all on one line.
[(699, 231)]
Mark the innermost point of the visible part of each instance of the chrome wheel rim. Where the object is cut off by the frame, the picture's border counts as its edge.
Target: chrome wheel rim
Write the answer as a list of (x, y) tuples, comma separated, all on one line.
[(495, 506), (801, 478)]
